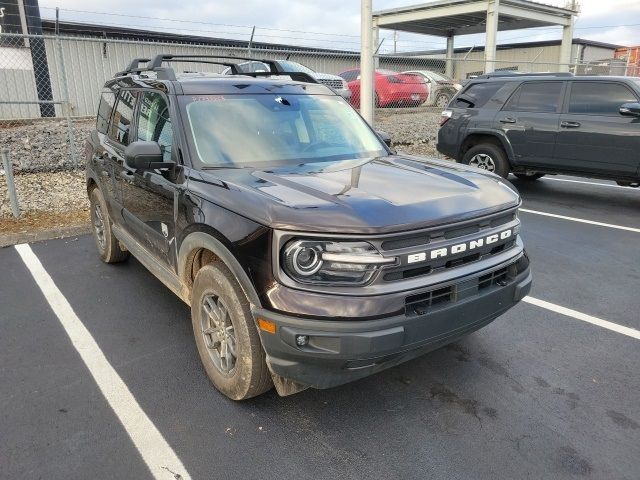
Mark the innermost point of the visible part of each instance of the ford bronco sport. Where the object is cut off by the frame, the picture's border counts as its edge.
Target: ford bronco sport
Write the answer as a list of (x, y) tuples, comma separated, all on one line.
[(311, 255)]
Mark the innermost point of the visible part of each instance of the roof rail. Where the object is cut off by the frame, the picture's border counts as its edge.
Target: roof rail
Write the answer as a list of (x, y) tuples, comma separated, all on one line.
[(167, 73), (522, 74)]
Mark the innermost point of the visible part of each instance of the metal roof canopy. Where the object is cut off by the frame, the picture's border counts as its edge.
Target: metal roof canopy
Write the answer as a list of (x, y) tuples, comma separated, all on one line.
[(447, 18)]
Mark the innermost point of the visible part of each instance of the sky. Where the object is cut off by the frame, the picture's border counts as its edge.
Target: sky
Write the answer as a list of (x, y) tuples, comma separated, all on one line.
[(326, 23)]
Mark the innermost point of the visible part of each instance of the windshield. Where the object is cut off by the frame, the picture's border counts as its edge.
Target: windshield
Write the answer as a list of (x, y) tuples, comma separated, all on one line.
[(438, 77), (269, 129)]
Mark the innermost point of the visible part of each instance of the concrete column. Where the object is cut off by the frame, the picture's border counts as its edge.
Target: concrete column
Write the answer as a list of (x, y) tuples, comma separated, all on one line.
[(376, 44), (366, 61), (449, 65), (492, 35), (565, 47)]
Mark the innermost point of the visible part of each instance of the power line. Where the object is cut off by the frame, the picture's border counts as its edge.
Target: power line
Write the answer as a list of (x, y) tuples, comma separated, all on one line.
[(200, 22)]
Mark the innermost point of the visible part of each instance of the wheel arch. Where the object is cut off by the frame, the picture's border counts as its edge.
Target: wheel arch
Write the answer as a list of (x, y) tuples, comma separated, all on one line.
[(479, 137), (199, 248)]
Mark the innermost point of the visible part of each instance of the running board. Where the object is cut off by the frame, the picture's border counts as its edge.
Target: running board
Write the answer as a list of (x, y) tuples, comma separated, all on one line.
[(166, 276)]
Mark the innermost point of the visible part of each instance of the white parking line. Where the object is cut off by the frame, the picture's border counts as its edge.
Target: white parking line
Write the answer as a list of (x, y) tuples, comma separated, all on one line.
[(582, 220), (154, 449), (629, 332), (588, 183)]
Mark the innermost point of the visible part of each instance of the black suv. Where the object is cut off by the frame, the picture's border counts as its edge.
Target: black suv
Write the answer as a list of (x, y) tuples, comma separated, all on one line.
[(553, 123), (310, 254)]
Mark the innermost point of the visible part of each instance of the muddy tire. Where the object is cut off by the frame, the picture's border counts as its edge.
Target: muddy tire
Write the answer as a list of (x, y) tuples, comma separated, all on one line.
[(489, 157), (226, 334), (107, 244)]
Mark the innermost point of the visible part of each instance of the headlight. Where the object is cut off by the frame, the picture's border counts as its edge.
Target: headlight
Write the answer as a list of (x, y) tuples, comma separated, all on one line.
[(345, 85), (332, 263)]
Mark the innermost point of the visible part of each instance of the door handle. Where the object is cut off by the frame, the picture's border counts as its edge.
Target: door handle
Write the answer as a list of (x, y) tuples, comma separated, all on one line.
[(569, 124), (127, 177), (508, 120)]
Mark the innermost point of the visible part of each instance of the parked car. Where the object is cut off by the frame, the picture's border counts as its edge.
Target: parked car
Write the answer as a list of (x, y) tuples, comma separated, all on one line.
[(310, 254), (333, 81), (534, 125), (441, 88), (391, 88)]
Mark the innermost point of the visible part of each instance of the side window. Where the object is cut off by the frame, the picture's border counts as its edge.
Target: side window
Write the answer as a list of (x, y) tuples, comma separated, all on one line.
[(477, 95), (105, 107), (154, 123), (350, 76), (121, 121), (599, 98), (535, 97)]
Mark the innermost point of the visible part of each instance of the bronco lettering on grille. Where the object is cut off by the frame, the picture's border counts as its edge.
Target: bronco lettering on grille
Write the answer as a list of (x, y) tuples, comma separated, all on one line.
[(457, 248)]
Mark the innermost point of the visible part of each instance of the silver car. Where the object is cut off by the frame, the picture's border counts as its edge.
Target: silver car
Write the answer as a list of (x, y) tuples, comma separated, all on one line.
[(441, 88), (335, 82)]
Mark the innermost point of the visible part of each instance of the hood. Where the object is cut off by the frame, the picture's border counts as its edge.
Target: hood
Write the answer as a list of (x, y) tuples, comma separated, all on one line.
[(381, 195)]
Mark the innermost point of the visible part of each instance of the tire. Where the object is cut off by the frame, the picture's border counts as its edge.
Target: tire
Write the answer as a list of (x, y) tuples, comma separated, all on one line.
[(106, 242), (533, 176), (442, 101), (488, 156), (376, 101), (226, 334)]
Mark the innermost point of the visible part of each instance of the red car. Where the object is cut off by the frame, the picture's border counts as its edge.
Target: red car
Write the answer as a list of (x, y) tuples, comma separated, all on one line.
[(392, 88)]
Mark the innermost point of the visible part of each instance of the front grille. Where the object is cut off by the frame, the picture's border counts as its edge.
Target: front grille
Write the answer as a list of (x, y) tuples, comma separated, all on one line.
[(404, 245), (422, 303), (336, 84)]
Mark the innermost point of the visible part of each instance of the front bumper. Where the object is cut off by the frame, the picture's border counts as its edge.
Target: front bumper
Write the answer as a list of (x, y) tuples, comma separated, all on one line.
[(340, 351)]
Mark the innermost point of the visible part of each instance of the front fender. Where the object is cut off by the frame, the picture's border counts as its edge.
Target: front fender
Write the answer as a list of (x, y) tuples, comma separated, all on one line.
[(197, 240)]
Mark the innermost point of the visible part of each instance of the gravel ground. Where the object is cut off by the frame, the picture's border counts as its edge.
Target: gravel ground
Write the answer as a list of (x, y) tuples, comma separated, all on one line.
[(43, 146), (412, 130), (57, 192)]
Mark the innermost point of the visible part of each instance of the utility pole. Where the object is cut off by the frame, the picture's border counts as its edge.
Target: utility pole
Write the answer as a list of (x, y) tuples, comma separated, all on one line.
[(395, 41), (366, 61)]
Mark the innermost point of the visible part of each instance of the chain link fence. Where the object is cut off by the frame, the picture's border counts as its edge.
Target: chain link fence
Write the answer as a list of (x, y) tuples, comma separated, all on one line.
[(49, 87)]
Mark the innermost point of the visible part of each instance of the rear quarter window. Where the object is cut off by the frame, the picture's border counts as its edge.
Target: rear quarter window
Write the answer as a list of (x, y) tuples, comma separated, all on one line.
[(107, 99), (477, 95)]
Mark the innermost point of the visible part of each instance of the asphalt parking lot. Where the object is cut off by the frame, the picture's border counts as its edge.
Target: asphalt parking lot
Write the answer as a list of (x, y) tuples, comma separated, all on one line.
[(539, 393)]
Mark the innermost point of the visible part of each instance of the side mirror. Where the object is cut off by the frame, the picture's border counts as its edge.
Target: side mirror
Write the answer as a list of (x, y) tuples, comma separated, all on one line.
[(630, 109), (385, 137), (142, 155)]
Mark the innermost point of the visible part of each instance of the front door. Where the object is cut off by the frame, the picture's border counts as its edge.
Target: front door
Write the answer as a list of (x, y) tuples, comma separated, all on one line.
[(594, 137), (149, 196), (530, 121)]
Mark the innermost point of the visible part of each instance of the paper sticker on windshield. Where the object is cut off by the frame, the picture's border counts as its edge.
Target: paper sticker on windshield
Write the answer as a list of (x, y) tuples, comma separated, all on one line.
[(207, 98)]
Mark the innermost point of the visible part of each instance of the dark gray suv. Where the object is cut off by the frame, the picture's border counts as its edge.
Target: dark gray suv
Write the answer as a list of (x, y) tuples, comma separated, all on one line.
[(532, 125)]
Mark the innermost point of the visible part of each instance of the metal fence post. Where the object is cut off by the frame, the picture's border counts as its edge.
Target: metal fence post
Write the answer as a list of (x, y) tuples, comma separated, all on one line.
[(11, 186), (66, 104)]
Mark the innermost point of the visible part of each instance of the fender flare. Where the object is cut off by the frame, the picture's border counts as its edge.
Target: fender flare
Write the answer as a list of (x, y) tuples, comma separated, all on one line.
[(504, 141), (198, 240)]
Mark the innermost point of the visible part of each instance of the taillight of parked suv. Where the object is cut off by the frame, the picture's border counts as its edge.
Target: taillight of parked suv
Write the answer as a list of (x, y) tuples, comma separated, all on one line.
[(444, 118)]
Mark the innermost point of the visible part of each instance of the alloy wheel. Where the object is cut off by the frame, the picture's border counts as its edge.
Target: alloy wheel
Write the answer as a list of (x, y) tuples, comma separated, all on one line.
[(218, 333), (98, 225), (483, 162)]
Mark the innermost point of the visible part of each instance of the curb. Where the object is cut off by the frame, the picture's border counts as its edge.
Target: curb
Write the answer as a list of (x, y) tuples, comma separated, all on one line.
[(6, 240)]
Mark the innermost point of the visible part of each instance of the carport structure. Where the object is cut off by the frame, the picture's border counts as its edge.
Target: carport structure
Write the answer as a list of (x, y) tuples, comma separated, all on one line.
[(448, 18)]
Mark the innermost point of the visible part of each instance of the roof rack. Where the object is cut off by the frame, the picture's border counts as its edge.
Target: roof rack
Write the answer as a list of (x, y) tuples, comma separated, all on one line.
[(522, 74), (167, 73)]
